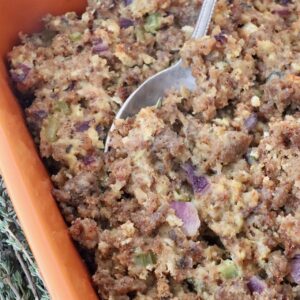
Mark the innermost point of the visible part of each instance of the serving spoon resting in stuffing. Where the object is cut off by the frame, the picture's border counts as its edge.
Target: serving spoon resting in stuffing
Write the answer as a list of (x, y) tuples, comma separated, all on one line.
[(173, 77)]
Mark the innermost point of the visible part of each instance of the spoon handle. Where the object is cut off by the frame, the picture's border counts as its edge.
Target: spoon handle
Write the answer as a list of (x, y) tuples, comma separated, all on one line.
[(204, 18)]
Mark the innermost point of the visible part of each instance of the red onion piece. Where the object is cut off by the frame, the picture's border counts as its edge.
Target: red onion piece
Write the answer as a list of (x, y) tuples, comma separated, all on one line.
[(125, 23), (199, 183), (81, 127), (295, 269), (284, 2), (221, 38), (185, 262), (99, 46), (40, 114), (101, 131), (71, 86), (284, 12), (88, 159), (20, 73), (256, 285), (187, 212), (127, 2), (250, 122)]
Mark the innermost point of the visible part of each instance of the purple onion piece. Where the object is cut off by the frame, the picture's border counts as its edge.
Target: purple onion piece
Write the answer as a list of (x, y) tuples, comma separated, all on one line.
[(125, 23), (101, 131), (88, 159), (187, 212), (99, 47), (221, 38), (71, 86), (40, 114), (256, 285), (284, 12), (185, 262), (284, 2), (127, 2), (251, 121), (20, 73), (199, 183), (295, 269), (81, 127)]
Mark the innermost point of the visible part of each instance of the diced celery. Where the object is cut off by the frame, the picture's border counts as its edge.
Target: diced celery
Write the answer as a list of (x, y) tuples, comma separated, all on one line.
[(139, 33), (63, 107), (153, 23), (159, 103), (75, 36), (258, 93), (181, 196), (228, 269), (51, 129), (145, 259)]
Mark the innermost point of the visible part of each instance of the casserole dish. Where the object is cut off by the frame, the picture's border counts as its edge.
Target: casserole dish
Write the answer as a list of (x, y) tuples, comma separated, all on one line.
[(25, 176), (198, 196)]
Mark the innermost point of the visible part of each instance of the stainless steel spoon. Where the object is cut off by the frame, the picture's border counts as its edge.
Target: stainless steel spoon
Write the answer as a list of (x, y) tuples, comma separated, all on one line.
[(175, 76)]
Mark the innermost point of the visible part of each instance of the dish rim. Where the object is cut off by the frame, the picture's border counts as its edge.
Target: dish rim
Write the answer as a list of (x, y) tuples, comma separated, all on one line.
[(24, 174)]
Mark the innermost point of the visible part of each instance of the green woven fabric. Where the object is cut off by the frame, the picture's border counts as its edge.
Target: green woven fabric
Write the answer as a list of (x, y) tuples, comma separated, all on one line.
[(19, 276)]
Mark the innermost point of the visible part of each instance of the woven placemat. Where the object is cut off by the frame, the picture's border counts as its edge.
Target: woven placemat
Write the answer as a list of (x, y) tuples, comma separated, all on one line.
[(19, 276)]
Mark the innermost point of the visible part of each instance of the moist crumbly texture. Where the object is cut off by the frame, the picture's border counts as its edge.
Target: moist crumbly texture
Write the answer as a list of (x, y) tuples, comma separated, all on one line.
[(198, 197)]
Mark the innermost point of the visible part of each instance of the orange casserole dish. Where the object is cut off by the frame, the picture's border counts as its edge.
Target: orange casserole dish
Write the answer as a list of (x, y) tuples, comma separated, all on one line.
[(25, 176)]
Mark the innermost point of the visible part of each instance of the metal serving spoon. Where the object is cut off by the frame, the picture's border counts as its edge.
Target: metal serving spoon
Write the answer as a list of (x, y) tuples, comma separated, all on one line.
[(175, 76)]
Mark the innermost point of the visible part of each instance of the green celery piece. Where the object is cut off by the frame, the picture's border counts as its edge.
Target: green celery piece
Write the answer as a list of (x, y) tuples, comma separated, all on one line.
[(139, 33), (228, 269), (75, 36), (63, 107), (51, 129), (145, 259), (181, 197), (159, 103), (153, 22)]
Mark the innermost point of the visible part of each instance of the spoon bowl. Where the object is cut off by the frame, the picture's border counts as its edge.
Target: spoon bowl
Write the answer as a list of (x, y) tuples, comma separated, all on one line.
[(173, 77)]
